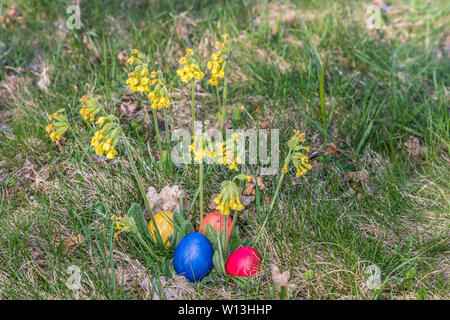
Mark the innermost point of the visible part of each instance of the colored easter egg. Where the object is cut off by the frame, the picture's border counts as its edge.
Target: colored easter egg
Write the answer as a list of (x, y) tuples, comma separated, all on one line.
[(164, 221), (214, 220), (193, 256), (244, 262)]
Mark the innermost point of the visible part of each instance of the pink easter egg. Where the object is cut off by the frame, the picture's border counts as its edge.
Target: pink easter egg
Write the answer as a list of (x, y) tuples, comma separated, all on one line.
[(244, 262)]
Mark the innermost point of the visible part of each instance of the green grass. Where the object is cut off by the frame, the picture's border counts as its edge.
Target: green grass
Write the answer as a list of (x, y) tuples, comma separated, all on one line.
[(378, 92)]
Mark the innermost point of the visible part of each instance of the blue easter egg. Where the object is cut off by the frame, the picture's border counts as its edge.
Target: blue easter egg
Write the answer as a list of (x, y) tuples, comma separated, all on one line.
[(193, 256)]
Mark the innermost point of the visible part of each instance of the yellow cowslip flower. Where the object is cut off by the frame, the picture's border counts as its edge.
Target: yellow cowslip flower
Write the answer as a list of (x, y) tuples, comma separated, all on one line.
[(225, 36), (228, 154), (220, 44), (183, 60), (213, 81), (190, 69), (158, 94), (202, 148), (59, 125), (52, 116), (49, 128), (100, 121), (297, 156), (139, 78), (229, 198), (111, 153), (124, 224), (218, 61), (90, 108), (105, 140)]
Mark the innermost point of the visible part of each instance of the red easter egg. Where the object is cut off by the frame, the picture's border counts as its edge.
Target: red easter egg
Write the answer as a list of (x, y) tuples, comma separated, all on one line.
[(244, 262), (214, 220)]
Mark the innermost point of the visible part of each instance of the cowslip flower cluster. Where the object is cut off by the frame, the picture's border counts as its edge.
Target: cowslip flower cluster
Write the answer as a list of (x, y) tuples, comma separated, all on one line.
[(218, 60), (124, 224), (138, 80), (90, 108), (297, 156), (58, 125), (105, 139), (202, 148), (228, 198), (141, 80), (227, 153), (159, 93), (190, 69)]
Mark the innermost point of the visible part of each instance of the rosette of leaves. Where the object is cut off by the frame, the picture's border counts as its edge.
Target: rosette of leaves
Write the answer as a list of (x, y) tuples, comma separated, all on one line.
[(222, 248)]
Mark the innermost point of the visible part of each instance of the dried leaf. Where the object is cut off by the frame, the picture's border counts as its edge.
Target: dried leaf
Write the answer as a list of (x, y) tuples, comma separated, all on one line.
[(129, 110), (43, 80), (332, 150), (167, 199), (246, 200), (70, 242), (90, 46), (414, 147), (249, 189), (122, 57), (124, 278), (360, 177), (250, 186), (257, 108), (280, 279), (265, 124)]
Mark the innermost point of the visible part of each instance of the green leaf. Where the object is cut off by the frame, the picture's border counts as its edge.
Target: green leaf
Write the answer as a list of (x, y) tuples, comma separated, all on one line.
[(178, 219), (184, 229), (187, 227), (212, 235), (220, 268), (244, 282), (235, 239), (135, 212), (308, 275), (163, 162)]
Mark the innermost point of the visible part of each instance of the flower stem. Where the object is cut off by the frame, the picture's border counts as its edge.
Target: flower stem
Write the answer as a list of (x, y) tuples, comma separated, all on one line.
[(158, 137), (224, 95), (225, 247), (201, 193), (169, 156), (286, 164), (141, 188), (234, 221), (193, 107)]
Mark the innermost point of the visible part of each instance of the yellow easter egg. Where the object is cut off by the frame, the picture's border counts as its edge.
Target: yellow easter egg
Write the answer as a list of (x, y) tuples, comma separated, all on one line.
[(164, 222)]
